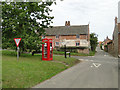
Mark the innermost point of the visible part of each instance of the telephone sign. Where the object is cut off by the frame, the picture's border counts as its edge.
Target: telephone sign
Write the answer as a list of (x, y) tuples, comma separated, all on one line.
[(47, 49)]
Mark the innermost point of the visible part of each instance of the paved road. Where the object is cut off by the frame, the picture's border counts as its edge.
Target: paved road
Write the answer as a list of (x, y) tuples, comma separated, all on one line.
[(100, 71)]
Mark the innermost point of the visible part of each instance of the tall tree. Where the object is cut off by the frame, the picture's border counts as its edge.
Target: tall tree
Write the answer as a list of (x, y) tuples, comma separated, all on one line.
[(25, 20), (93, 41)]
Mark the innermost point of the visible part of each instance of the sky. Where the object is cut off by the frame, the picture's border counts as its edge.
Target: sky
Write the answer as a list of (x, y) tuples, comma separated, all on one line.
[(100, 14)]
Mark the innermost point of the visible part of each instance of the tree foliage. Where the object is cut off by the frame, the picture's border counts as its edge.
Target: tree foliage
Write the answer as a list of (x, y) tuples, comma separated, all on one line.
[(93, 41), (25, 20)]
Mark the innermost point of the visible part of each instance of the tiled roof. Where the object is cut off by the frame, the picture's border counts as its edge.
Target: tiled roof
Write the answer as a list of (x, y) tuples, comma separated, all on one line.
[(67, 30)]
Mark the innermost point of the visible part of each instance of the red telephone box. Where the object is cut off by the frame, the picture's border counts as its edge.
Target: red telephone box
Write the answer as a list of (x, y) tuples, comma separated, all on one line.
[(47, 49)]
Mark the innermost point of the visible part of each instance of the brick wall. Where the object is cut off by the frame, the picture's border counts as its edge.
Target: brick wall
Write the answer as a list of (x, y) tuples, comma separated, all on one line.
[(110, 48), (67, 37), (118, 38), (86, 51), (115, 41)]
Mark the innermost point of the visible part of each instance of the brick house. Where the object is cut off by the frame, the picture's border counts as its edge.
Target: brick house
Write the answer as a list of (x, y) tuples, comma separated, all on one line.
[(114, 45), (119, 39), (119, 29), (107, 40), (115, 39), (72, 36), (110, 47), (105, 43)]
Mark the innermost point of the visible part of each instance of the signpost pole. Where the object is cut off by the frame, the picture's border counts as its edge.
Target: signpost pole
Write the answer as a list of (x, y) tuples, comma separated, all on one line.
[(17, 53), (65, 51)]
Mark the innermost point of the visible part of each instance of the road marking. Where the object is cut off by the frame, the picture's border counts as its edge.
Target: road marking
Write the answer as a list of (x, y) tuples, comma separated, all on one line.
[(91, 56), (81, 59), (86, 60), (96, 64)]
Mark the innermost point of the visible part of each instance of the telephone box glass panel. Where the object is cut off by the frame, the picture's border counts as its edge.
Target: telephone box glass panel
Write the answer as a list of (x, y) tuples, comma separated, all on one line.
[(50, 50), (45, 50)]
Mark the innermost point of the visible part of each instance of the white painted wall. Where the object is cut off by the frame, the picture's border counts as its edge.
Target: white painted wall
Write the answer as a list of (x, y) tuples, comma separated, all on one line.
[(119, 12), (69, 43)]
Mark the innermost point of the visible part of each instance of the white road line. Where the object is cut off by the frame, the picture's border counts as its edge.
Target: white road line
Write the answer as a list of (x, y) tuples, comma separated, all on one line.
[(86, 60), (81, 59), (91, 56), (91, 60), (96, 64)]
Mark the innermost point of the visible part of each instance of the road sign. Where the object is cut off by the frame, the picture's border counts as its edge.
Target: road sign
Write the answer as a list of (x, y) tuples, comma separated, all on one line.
[(17, 41)]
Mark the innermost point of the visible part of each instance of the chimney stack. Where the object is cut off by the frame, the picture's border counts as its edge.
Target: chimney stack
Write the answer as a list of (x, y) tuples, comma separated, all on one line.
[(107, 38), (67, 23), (115, 20)]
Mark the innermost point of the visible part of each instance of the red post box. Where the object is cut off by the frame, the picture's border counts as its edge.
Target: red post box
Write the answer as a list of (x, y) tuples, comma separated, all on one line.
[(47, 50)]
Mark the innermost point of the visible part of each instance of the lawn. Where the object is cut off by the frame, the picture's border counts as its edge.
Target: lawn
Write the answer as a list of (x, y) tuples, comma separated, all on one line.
[(30, 70), (0, 70), (92, 53)]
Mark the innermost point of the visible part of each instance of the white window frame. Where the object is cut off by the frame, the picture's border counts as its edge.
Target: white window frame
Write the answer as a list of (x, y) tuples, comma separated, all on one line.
[(56, 44)]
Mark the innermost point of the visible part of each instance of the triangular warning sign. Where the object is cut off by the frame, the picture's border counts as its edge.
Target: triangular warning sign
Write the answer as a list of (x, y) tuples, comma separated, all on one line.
[(17, 41)]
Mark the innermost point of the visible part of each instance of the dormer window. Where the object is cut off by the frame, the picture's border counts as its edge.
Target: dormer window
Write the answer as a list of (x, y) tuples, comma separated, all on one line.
[(77, 36), (57, 36)]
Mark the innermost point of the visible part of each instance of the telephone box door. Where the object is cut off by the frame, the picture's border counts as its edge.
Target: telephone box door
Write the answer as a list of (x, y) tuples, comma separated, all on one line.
[(47, 50)]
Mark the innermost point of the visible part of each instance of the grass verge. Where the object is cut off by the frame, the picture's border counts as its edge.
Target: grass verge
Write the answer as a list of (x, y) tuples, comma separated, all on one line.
[(30, 70)]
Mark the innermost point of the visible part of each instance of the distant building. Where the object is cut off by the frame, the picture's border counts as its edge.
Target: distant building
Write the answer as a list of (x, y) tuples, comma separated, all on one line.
[(71, 36), (107, 40), (114, 45), (115, 49), (100, 42), (105, 43), (115, 39), (119, 29)]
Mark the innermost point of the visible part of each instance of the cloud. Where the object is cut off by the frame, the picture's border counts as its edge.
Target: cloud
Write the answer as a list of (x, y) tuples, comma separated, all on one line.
[(100, 14)]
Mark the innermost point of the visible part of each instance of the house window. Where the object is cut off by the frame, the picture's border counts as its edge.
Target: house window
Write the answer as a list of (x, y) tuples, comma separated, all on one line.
[(43, 37), (77, 44), (57, 36), (77, 36), (57, 43)]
